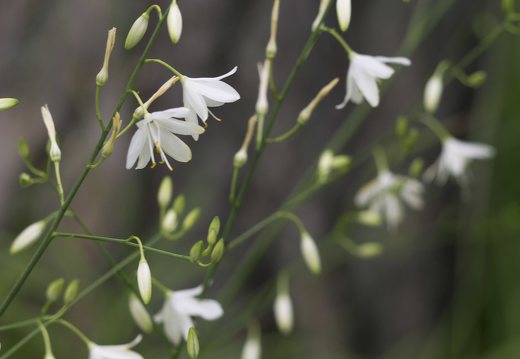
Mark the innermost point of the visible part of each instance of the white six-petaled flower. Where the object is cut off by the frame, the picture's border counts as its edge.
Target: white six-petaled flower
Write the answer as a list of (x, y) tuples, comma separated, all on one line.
[(115, 351), (387, 193), (157, 131), (455, 158), (179, 308), (363, 74), (201, 93)]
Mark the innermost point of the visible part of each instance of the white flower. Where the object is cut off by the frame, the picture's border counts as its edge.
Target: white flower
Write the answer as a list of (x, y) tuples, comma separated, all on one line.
[(115, 351), (386, 194), (144, 280), (344, 12), (455, 158), (253, 347), (433, 93), (54, 151), (201, 93), (159, 130), (283, 311), (140, 314), (179, 308), (174, 22), (363, 74), (310, 253), (28, 236)]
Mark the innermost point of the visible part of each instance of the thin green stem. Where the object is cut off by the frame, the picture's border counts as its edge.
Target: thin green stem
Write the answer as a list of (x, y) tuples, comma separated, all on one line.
[(286, 135), (437, 128), (46, 339), (166, 65), (19, 324), (340, 39), (259, 130), (76, 331), (161, 286), (58, 182), (157, 9), (53, 227), (34, 170), (234, 181), (380, 159), (98, 111), (121, 241)]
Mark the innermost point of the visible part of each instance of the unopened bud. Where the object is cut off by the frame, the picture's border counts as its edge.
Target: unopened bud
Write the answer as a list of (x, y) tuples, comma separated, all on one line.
[(174, 22), (411, 140), (369, 218), (341, 163), (139, 314), (283, 308), (102, 76), (416, 167), (196, 251), (321, 12), (165, 193), (108, 147), (55, 289), (433, 92), (310, 253), (344, 12), (240, 158), (476, 79), (192, 344), (325, 165), (217, 252), (7, 103), (54, 151), (306, 113), (262, 105), (253, 346), (369, 250), (272, 49), (23, 148), (213, 230), (71, 292), (179, 204), (144, 280), (401, 126), (137, 31), (28, 236), (169, 222), (25, 180), (191, 218)]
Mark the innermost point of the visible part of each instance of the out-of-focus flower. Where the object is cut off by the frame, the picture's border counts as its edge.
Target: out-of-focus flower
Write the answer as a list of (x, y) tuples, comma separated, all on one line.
[(310, 253), (115, 351), (28, 236)]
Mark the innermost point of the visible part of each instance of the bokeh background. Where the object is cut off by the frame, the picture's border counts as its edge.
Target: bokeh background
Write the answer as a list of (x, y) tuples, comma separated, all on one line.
[(447, 284)]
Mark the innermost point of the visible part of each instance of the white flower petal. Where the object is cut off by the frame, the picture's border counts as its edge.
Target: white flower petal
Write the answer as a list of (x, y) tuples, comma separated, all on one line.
[(367, 85), (180, 127), (215, 90), (179, 112), (395, 60), (174, 147), (136, 147), (207, 309), (193, 100), (374, 67)]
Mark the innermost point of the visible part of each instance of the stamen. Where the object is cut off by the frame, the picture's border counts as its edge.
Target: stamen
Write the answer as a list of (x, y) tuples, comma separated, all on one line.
[(213, 115)]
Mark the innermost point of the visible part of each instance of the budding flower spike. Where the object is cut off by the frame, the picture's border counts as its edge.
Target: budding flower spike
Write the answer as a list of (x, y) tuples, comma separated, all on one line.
[(174, 22), (363, 75), (201, 93), (158, 130), (179, 308)]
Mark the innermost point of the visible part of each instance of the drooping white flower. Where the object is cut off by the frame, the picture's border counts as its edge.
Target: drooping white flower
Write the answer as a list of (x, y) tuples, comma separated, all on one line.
[(387, 193), (201, 93), (144, 280), (158, 131), (455, 157), (363, 74), (179, 308), (115, 351)]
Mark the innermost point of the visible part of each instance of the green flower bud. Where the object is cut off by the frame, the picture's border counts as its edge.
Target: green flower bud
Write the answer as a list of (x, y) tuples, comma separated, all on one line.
[(416, 167), (369, 218), (55, 289), (369, 250), (139, 314), (179, 204), (401, 126), (196, 251), (214, 229), (7, 103), (191, 218), (165, 193), (310, 253), (192, 344), (137, 31), (169, 222), (23, 148), (25, 180), (240, 158), (476, 79), (71, 291), (218, 252)]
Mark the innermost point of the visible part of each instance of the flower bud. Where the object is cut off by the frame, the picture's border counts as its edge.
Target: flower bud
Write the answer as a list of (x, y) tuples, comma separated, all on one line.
[(7, 103), (262, 105), (213, 230), (283, 309), (108, 147), (240, 158), (137, 31), (401, 126), (139, 314), (102, 76), (476, 79), (369, 218), (55, 289), (192, 344), (307, 112), (71, 291), (325, 165), (272, 49), (416, 167), (54, 151), (25, 180), (310, 253), (253, 347), (190, 219), (341, 163), (144, 280), (344, 12), (169, 222), (179, 204), (217, 252), (165, 193), (28, 236), (196, 251), (369, 250), (174, 22), (319, 16), (433, 92), (23, 148)]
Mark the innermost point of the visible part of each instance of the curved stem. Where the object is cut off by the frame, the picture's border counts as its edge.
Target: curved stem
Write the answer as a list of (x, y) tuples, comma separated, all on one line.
[(168, 66), (338, 38), (98, 111), (58, 182), (46, 339), (286, 135), (76, 331)]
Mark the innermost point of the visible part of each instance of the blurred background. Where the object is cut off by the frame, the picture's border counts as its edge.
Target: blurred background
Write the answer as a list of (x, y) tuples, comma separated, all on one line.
[(446, 284)]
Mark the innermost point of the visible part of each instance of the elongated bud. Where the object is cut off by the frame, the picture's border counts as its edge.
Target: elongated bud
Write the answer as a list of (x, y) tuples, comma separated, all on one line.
[(253, 346), (416, 167), (139, 112), (321, 12), (165, 193), (25, 180), (433, 92), (23, 148), (7, 103), (190, 219), (344, 12), (272, 49), (55, 289), (476, 79), (325, 165), (144, 280), (54, 151), (369, 250), (262, 105), (139, 314), (102, 76), (310, 253), (137, 31), (196, 251), (179, 204), (28, 236), (217, 252), (213, 230), (306, 113), (169, 222), (283, 309), (192, 344), (174, 22), (401, 126), (71, 292), (369, 218), (108, 147), (241, 156)]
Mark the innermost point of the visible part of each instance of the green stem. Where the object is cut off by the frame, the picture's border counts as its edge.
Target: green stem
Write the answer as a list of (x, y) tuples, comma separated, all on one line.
[(340, 39), (433, 124), (259, 130), (166, 65), (286, 135), (157, 8), (54, 226), (121, 241), (19, 324), (380, 159), (161, 286), (98, 111), (76, 331), (234, 181), (58, 183), (46, 339)]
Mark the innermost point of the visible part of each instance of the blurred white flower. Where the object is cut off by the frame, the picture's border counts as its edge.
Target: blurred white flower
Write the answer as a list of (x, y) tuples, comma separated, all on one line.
[(310, 253), (28, 236), (201, 93), (179, 308), (115, 351), (159, 130), (283, 310), (253, 347), (387, 193), (455, 158), (140, 314), (363, 74)]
